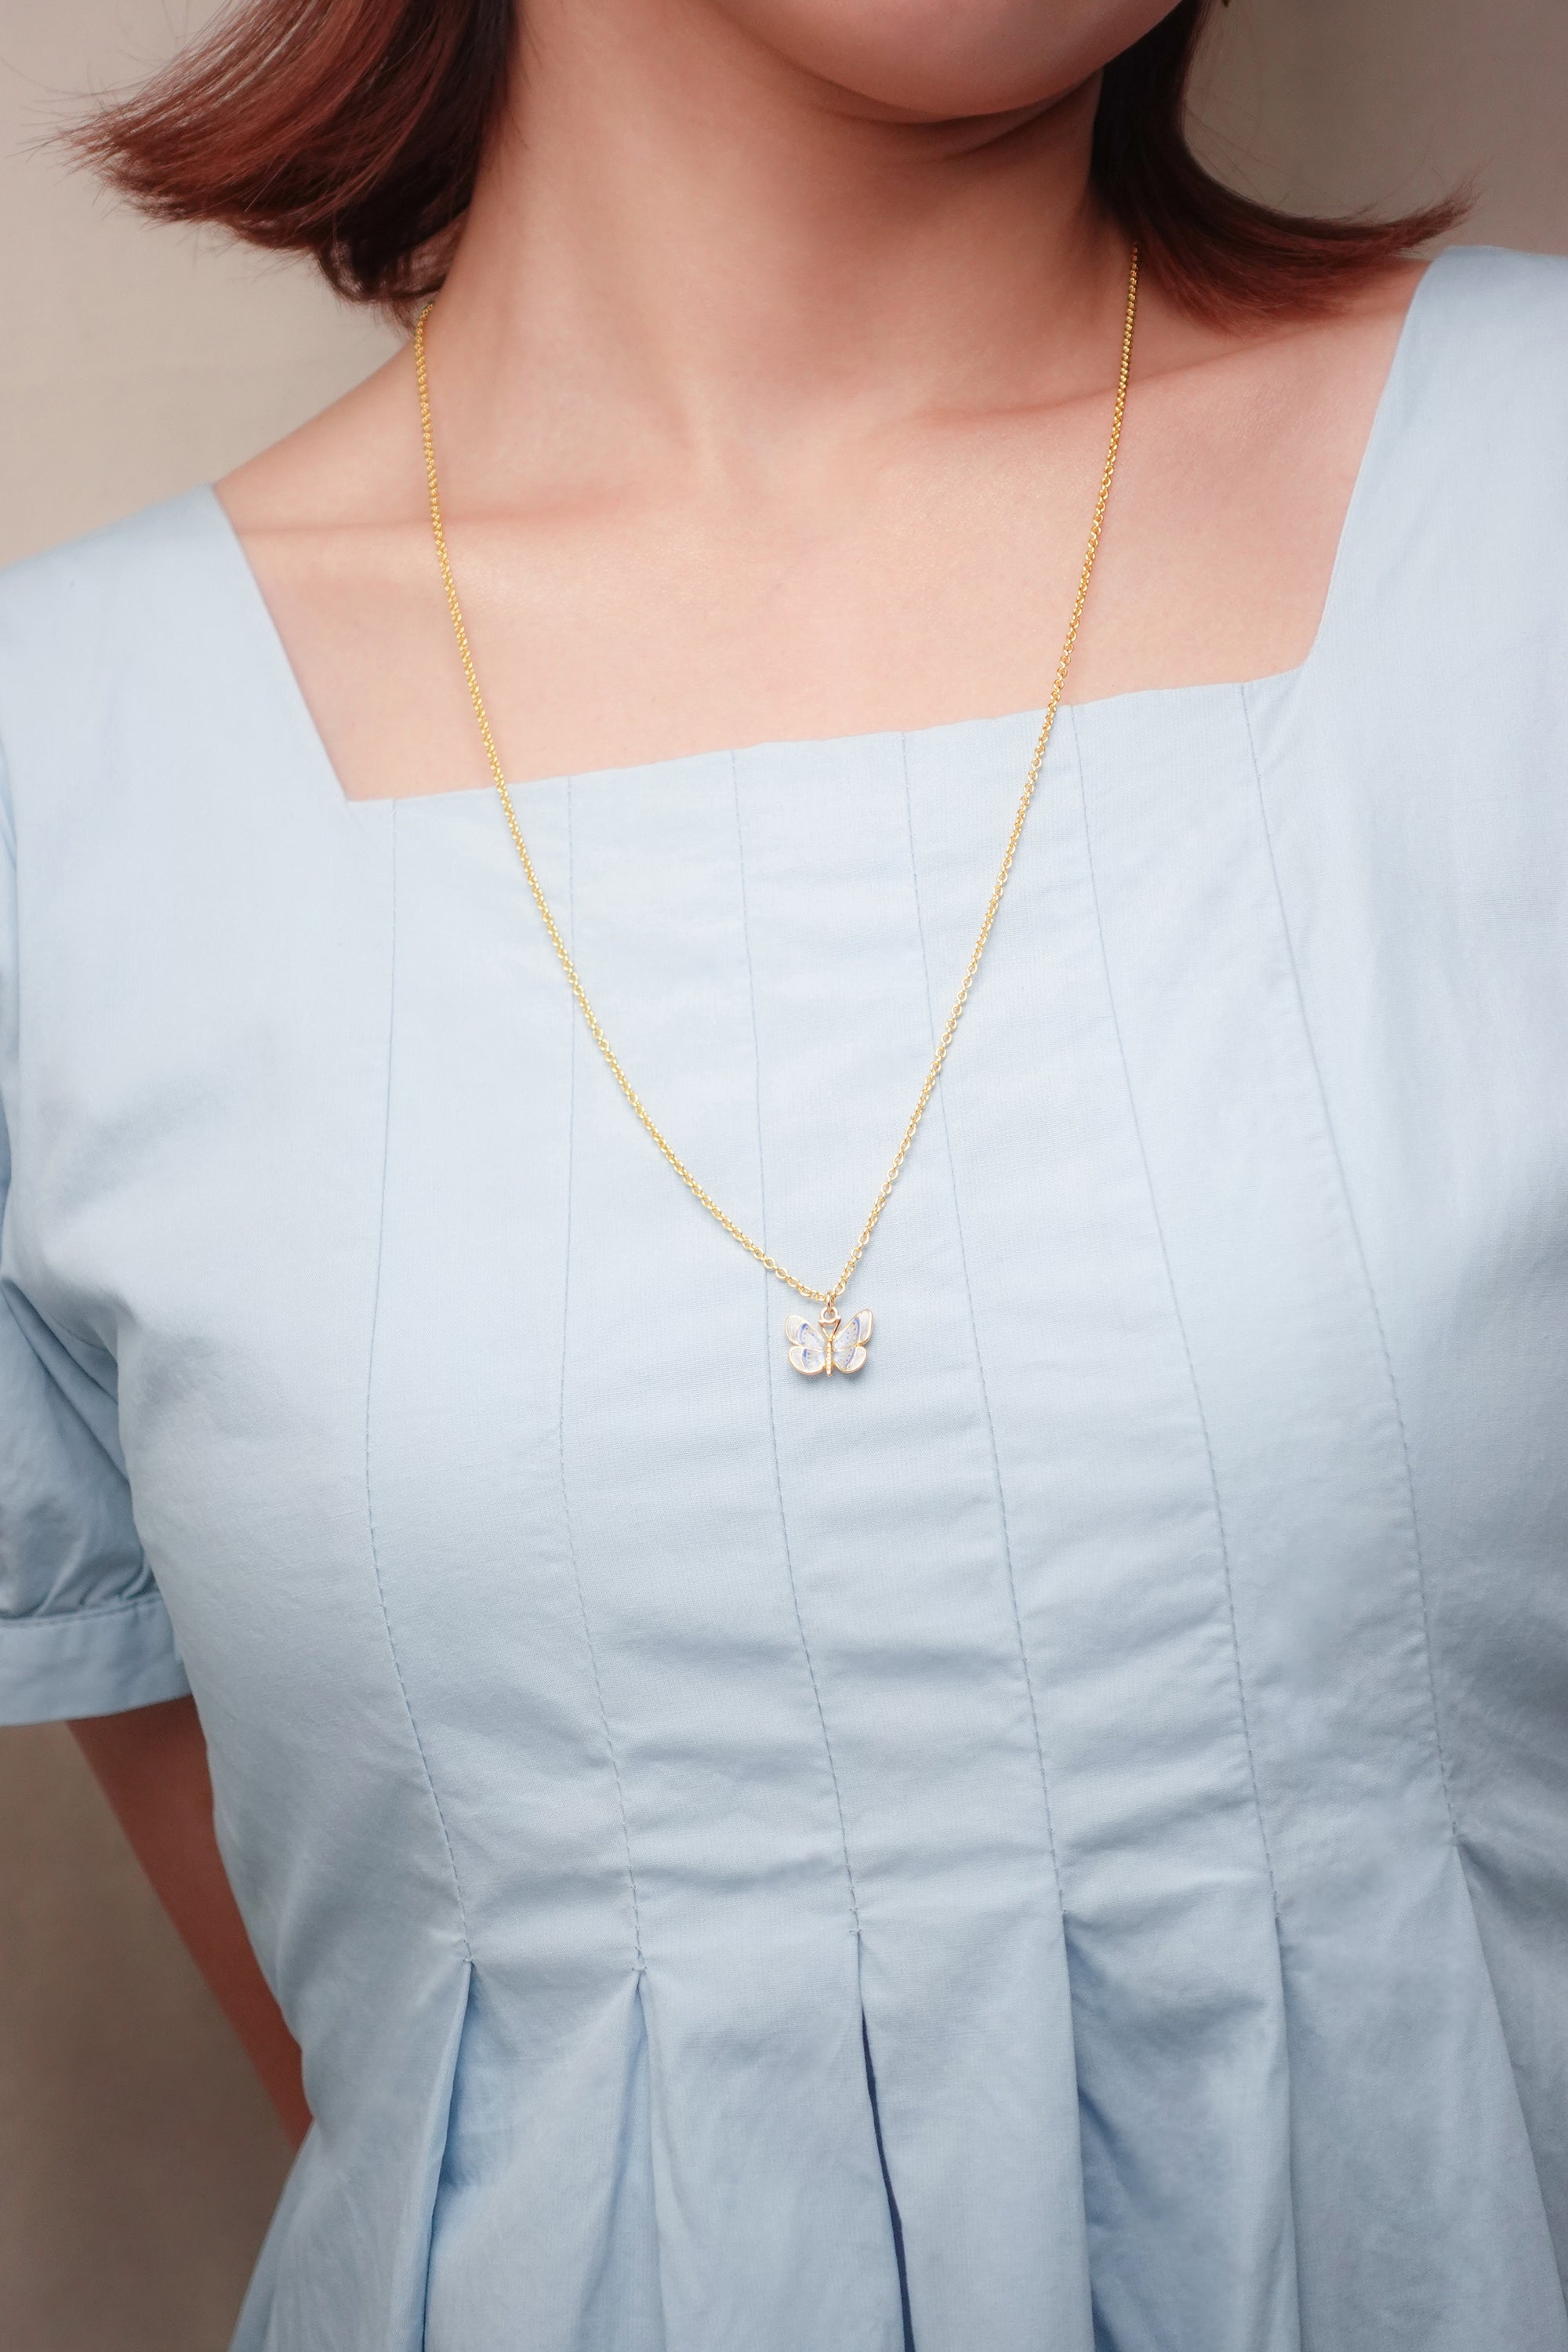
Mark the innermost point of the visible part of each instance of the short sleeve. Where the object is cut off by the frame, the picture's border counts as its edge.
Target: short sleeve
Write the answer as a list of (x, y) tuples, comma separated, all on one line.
[(83, 1630)]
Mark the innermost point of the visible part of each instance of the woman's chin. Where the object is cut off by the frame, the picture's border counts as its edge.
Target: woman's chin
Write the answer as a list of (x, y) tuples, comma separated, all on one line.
[(931, 61)]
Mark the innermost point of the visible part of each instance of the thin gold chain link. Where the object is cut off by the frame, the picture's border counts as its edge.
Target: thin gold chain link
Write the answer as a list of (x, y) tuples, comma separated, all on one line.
[(949, 1028)]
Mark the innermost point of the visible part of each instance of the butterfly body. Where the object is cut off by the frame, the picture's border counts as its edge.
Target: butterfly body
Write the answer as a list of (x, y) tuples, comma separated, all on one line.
[(830, 1345)]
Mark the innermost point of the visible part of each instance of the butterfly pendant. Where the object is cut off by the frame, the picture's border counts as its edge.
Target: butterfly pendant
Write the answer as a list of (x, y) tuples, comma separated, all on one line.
[(827, 1345)]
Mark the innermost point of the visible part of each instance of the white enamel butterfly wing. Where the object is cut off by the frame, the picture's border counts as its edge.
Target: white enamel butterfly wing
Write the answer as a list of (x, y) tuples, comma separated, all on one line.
[(830, 1345)]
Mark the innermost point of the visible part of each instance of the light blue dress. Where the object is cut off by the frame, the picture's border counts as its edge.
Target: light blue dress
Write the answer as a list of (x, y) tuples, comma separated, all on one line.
[(1057, 1843)]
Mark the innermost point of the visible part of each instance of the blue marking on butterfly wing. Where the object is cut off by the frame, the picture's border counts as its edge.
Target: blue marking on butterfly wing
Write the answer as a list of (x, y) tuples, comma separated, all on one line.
[(850, 1342), (808, 1352)]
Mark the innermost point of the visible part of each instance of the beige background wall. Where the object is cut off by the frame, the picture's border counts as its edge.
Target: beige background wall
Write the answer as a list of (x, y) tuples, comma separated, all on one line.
[(137, 2161)]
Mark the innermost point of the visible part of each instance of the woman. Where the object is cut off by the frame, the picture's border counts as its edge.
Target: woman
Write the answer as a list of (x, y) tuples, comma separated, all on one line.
[(1054, 1840)]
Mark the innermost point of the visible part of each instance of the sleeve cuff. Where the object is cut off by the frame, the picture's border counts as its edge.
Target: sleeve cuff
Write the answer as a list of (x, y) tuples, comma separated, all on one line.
[(91, 1661)]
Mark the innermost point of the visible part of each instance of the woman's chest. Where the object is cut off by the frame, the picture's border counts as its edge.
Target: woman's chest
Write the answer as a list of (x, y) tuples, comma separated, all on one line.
[(408, 1305)]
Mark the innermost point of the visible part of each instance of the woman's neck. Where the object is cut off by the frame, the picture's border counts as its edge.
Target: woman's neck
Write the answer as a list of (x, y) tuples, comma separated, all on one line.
[(761, 412), (686, 251)]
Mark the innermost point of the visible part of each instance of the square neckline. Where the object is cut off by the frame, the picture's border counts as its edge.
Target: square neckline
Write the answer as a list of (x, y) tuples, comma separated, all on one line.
[(304, 724)]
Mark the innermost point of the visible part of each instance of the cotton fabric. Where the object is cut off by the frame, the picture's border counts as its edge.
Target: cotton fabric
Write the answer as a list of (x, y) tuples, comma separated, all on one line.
[(1058, 1844)]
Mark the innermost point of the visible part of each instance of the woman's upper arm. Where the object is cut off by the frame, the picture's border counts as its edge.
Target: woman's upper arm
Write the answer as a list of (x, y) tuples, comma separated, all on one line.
[(152, 1765), (82, 1629)]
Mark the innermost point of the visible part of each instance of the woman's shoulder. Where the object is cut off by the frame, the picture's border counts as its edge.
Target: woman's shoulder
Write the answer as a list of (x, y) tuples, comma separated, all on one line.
[(150, 623), (1503, 284), (110, 644), (1461, 516), (120, 650), (148, 733), (1430, 713), (115, 590), (1487, 337)]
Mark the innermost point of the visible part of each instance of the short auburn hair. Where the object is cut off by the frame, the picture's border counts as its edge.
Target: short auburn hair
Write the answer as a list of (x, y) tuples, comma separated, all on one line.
[(352, 130)]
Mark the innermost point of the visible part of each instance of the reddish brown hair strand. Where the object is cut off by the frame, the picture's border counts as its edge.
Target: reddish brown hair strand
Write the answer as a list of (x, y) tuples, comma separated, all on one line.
[(349, 130), (1217, 252), (352, 130)]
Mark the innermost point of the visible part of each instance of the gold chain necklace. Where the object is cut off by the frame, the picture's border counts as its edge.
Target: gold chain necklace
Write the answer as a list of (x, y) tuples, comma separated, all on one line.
[(830, 1344)]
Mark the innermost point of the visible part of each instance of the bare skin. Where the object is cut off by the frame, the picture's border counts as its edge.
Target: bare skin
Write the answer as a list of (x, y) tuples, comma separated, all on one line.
[(152, 1765), (772, 384), (765, 411)]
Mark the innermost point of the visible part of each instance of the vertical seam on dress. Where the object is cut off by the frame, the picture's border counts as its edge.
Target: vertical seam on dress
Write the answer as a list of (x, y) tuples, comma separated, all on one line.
[(974, 1339), (1180, 1320), (1364, 1265), (560, 1432), (768, 1361), (369, 1394)]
